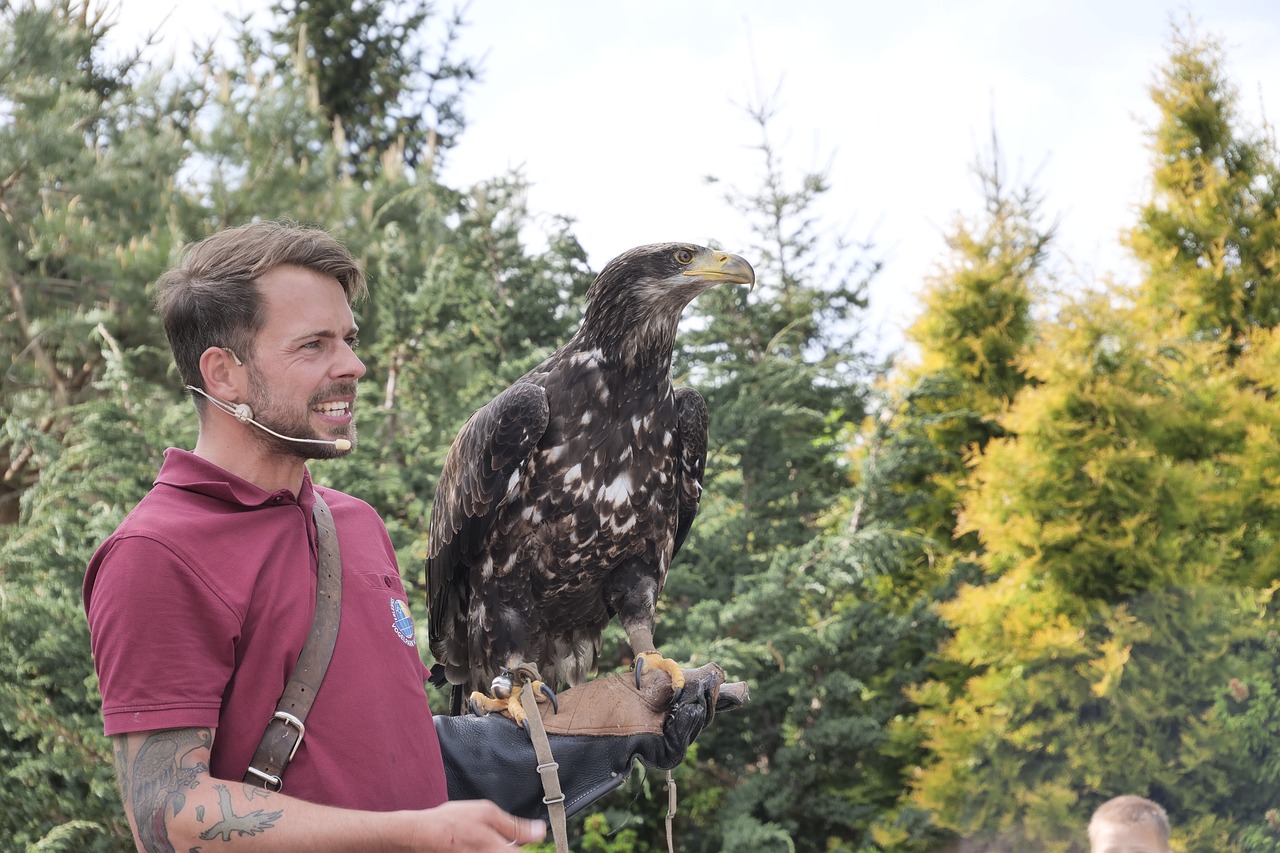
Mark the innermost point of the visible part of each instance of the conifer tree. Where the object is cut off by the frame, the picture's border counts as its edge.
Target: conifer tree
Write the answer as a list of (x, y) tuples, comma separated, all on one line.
[(940, 410), (1210, 234), (782, 368), (86, 172), (375, 76), (1121, 591), (945, 405)]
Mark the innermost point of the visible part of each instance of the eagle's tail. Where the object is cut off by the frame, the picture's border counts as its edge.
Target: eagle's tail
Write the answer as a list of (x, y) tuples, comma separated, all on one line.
[(437, 678)]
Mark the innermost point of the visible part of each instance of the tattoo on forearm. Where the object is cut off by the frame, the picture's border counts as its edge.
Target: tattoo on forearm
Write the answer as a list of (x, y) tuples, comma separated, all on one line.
[(156, 783), (247, 824)]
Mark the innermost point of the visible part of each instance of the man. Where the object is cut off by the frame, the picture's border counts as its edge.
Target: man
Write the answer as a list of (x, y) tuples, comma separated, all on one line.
[(1129, 824), (200, 603)]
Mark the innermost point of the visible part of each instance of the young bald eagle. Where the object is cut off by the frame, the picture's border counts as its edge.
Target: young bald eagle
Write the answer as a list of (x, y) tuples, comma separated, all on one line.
[(563, 500)]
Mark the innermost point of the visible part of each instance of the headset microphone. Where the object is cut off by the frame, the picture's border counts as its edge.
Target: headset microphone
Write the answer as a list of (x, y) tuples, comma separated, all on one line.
[(244, 414)]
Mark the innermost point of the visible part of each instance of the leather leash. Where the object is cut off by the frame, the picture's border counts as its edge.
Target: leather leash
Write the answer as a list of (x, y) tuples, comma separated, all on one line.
[(671, 813), (286, 729), (547, 767)]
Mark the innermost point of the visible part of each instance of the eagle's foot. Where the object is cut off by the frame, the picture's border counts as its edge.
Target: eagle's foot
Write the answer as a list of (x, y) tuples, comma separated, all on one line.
[(667, 665), (482, 705), (506, 699)]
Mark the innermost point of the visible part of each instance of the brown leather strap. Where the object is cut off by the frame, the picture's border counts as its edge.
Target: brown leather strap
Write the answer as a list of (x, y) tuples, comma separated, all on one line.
[(286, 730), (547, 767), (671, 813)]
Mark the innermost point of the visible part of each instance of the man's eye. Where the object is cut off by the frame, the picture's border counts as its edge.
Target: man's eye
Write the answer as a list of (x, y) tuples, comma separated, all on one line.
[(354, 343)]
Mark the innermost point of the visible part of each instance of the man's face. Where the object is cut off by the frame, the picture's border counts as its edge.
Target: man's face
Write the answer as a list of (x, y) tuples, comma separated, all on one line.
[(1126, 838), (303, 372)]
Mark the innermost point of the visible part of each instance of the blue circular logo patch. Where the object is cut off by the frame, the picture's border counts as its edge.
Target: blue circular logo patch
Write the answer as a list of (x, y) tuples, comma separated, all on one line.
[(402, 621)]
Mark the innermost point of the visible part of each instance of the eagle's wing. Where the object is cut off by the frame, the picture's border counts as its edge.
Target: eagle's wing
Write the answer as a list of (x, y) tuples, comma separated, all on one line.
[(691, 418), (489, 450)]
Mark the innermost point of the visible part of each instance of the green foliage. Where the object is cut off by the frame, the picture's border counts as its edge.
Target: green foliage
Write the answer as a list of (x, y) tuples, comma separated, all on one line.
[(1069, 710), (1210, 232), (780, 367), (56, 763), (941, 411), (375, 77), (1250, 712), (976, 319), (828, 662), (81, 224), (1125, 520), (1107, 487)]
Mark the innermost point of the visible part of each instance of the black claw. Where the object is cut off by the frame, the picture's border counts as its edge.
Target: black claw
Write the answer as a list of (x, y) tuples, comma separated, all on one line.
[(639, 665), (475, 709), (551, 694), (676, 693)]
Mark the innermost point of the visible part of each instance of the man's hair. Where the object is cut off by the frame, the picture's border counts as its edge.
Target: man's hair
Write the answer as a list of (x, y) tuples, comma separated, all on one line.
[(1130, 810), (211, 299)]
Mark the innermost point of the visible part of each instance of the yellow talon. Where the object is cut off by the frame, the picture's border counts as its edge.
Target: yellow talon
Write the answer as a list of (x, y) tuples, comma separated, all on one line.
[(482, 704), (667, 665)]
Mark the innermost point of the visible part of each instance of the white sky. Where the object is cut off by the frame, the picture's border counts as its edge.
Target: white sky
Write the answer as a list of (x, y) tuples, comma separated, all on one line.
[(616, 111)]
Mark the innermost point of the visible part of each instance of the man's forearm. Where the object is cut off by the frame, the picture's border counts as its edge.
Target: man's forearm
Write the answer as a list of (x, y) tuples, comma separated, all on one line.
[(186, 808), (174, 804)]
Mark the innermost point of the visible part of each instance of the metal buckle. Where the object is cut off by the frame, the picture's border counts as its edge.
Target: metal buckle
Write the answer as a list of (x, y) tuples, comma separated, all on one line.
[(271, 783), (275, 783), (290, 720)]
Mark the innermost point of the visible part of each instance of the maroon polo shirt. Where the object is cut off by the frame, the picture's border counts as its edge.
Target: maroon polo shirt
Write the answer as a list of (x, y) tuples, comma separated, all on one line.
[(200, 603)]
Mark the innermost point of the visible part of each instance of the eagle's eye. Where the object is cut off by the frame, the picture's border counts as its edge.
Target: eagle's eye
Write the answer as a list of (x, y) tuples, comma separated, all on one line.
[(683, 256)]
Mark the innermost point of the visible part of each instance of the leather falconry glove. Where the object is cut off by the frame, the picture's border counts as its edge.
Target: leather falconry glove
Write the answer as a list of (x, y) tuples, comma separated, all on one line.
[(601, 727)]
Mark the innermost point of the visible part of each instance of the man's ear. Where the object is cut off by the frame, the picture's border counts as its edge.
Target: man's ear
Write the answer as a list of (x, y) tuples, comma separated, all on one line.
[(224, 374)]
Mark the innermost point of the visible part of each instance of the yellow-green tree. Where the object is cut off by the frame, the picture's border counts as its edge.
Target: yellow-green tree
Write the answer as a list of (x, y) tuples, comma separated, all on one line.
[(946, 401), (941, 409), (1123, 586), (1209, 235)]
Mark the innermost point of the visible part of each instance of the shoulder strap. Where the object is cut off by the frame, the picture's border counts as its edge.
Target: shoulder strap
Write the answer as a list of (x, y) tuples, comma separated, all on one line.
[(286, 729)]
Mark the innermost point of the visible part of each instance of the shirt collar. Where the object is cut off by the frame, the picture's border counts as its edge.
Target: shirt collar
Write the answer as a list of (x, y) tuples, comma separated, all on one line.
[(182, 469)]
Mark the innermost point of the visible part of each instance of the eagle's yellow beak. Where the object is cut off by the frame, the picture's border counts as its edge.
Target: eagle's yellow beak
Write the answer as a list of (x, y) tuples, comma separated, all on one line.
[(722, 266)]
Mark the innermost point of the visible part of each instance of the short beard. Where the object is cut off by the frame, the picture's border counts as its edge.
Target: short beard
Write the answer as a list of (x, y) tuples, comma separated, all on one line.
[(319, 446)]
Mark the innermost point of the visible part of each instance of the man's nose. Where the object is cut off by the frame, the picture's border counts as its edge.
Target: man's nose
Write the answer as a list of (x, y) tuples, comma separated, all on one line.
[(350, 365)]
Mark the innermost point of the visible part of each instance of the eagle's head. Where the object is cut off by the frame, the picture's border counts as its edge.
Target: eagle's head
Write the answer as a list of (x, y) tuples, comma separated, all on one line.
[(636, 301)]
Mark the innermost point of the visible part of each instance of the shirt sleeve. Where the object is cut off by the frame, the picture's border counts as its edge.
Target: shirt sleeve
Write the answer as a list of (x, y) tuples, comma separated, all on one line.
[(163, 641)]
